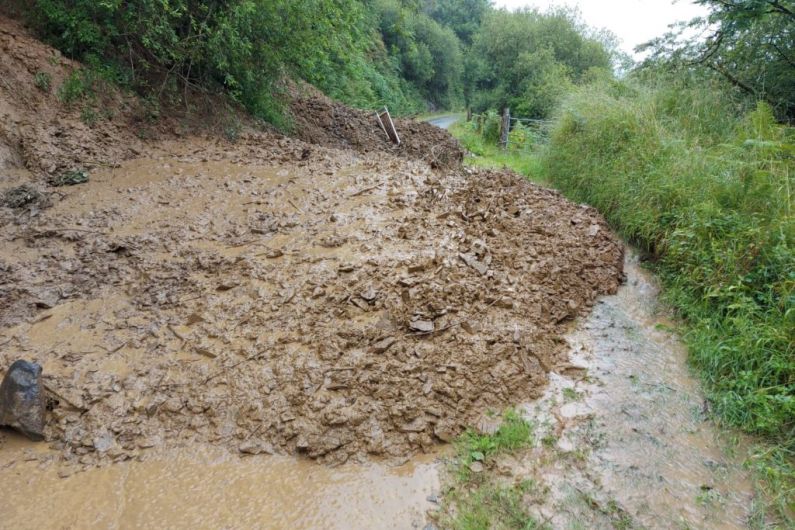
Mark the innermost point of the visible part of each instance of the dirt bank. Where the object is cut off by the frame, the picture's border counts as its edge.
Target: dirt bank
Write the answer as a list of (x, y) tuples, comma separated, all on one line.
[(322, 121)]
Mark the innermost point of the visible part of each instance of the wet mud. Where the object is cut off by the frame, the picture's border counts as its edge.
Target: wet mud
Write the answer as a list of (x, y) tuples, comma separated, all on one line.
[(333, 306)]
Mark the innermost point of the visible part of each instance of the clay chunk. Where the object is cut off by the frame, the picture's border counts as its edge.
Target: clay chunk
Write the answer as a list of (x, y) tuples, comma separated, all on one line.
[(22, 403)]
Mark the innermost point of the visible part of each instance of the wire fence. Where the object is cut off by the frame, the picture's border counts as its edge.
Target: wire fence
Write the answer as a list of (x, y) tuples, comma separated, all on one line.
[(523, 133)]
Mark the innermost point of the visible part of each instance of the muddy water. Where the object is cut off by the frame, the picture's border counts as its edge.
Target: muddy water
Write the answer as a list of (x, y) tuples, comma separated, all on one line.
[(628, 420), (199, 487)]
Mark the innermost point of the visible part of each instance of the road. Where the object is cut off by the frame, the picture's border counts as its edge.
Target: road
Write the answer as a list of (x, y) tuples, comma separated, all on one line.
[(444, 122)]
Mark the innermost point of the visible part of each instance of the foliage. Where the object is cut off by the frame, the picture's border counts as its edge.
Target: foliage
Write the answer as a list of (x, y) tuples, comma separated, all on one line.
[(428, 55), (527, 60), (750, 44), (475, 501), (247, 47), (462, 16), (487, 154), (42, 81), (707, 191)]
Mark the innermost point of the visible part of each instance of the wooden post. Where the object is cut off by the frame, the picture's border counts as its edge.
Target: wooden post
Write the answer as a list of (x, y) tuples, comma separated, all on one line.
[(505, 127), (469, 113)]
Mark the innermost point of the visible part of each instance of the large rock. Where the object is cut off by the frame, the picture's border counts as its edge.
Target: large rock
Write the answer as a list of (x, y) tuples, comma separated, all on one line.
[(22, 403)]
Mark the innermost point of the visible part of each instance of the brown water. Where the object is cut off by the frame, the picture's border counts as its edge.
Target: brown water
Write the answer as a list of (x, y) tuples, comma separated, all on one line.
[(200, 487)]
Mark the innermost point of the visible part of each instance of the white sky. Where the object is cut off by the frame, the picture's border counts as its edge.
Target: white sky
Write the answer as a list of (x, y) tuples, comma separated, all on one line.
[(633, 21)]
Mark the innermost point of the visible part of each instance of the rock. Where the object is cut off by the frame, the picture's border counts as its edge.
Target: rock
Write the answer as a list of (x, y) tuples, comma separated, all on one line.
[(383, 345), (444, 431), (476, 467), (255, 447), (471, 261), (22, 403), (103, 442), (422, 326)]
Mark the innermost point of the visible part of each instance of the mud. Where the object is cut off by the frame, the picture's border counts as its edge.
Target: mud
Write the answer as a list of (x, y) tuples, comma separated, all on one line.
[(40, 133), (259, 299)]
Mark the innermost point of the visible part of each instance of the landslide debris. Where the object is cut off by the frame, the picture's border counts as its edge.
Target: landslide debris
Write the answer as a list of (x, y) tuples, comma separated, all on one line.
[(338, 306), (274, 295)]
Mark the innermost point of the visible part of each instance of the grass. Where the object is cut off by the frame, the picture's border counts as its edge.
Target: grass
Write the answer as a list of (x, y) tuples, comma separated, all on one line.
[(487, 155), (475, 500), (706, 193)]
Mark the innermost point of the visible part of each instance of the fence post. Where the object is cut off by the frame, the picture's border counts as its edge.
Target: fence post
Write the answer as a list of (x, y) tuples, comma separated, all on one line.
[(469, 114), (505, 127)]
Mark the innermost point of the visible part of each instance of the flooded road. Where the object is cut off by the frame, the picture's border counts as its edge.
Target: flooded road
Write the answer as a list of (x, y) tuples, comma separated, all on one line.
[(631, 444), (623, 443)]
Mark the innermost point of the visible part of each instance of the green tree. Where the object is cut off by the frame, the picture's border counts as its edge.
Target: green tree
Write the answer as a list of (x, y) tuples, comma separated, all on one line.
[(750, 44), (462, 16), (526, 60)]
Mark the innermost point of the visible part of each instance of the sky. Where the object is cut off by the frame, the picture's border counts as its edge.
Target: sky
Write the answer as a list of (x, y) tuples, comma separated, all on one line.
[(633, 21)]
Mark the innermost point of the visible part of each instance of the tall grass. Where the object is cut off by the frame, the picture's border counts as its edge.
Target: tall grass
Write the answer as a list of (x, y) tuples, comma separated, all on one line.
[(706, 189)]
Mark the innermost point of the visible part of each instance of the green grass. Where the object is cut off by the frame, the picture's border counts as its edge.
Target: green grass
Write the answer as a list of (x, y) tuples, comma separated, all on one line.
[(475, 500), (485, 154), (495, 507)]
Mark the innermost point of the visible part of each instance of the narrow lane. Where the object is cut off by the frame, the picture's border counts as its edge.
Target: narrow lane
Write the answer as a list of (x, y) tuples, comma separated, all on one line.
[(444, 122)]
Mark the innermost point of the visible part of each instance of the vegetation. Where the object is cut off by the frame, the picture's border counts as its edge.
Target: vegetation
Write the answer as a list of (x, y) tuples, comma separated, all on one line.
[(527, 60), (485, 152), (750, 44), (475, 500)]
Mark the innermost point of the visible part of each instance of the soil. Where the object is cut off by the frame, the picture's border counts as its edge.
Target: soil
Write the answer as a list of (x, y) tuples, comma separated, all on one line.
[(276, 296), (322, 121)]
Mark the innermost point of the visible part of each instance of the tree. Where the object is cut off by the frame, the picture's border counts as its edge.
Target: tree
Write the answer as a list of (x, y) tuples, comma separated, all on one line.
[(749, 43), (462, 16), (526, 60)]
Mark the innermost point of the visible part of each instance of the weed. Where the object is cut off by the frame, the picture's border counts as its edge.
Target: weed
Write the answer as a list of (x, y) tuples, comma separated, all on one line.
[(706, 192), (78, 86), (494, 506), (475, 501), (487, 155), (569, 394), (89, 116), (43, 81)]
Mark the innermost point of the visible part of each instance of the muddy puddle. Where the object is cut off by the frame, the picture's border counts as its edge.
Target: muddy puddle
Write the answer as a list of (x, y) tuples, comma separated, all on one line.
[(624, 437), (201, 487)]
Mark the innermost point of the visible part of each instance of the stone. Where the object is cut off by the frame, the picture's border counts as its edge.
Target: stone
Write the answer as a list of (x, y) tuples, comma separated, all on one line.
[(384, 344), (22, 403), (421, 326), (255, 447)]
